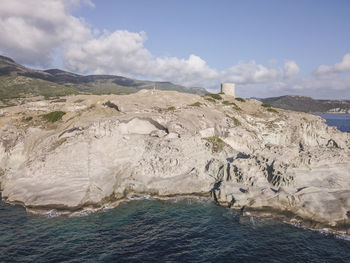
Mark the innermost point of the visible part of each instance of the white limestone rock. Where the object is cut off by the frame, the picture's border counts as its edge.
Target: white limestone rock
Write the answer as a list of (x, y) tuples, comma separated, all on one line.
[(284, 163)]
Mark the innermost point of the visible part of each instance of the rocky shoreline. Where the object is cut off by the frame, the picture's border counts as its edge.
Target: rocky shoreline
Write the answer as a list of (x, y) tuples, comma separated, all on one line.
[(106, 149)]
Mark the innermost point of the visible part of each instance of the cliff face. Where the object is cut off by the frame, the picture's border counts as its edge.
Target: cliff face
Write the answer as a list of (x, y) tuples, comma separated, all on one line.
[(240, 154)]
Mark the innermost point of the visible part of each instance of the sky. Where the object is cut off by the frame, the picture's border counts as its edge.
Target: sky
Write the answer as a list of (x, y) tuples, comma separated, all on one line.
[(266, 47)]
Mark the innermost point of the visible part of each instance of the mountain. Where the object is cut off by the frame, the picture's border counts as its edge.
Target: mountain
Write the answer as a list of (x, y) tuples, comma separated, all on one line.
[(18, 81), (308, 104)]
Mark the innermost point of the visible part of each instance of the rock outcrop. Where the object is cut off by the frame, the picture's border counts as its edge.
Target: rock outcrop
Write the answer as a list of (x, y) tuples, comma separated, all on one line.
[(240, 154)]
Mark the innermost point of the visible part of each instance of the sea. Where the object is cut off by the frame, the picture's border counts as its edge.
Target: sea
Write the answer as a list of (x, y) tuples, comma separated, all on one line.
[(178, 230), (341, 121)]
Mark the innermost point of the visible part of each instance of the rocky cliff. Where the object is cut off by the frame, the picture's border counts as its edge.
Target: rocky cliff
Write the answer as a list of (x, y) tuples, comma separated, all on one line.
[(106, 149)]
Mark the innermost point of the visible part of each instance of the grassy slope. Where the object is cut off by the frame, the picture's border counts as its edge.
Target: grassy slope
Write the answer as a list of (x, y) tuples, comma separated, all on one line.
[(19, 86), (17, 81), (305, 104)]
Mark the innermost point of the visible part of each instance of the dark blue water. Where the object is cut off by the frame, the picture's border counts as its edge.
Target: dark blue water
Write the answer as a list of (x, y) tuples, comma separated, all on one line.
[(165, 231), (341, 121), (161, 231)]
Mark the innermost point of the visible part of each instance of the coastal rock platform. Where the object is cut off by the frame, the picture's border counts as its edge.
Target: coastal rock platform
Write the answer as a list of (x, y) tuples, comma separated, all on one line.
[(240, 153)]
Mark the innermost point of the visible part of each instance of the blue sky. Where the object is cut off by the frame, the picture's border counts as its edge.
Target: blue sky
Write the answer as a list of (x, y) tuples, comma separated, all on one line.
[(266, 47), (225, 32)]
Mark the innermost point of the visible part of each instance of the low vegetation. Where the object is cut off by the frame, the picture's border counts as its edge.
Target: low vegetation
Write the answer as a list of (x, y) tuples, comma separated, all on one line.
[(272, 110), (216, 143), (171, 108), (12, 87), (266, 105), (28, 118), (79, 101), (214, 96), (236, 121), (196, 104), (210, 99), (235, 106), (54, 116), (240, 99), (269, 108), (225, 102), (229, 103)]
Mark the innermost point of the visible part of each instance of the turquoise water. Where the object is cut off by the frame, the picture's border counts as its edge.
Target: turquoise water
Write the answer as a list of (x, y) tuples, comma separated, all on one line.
[(165, 231), (161, 231)]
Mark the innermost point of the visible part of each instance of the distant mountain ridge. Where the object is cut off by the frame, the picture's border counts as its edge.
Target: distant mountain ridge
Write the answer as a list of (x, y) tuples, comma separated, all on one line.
[(19, 81), (308, 104)]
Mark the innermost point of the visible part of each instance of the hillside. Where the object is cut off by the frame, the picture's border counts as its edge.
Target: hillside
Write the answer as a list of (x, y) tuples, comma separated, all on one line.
[(17, 81), (308, 104)]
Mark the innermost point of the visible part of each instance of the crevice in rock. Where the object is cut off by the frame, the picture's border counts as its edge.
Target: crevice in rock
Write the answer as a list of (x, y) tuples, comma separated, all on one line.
[(215, 188), (71, 130), (242, 155), (111, 105), (232, 202), (332, 143), (228, 177), (150, 120)]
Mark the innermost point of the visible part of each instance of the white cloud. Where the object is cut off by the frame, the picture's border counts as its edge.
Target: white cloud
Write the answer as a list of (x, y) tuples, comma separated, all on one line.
[(123, 52), (290, 69), (32, 30), (112, 53), (246, 73), (331, 71)]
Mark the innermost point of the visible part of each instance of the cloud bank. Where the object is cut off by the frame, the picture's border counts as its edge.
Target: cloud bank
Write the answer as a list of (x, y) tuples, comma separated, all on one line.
[(341, 67), (33, 32)]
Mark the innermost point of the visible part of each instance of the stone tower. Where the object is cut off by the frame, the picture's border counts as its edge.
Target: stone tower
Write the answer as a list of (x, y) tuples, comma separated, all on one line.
[(228, 89)]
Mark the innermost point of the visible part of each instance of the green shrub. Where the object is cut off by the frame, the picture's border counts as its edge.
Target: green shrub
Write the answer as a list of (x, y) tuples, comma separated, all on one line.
[(272, 110), (54, 116), (214, 96), (196, 104), (78, 101), (210, 99), (216, 143), (236, 121), (171, 108), (240, 99), (225, 102), (266, 105), (28, 118), (235, 106), (221, 93)]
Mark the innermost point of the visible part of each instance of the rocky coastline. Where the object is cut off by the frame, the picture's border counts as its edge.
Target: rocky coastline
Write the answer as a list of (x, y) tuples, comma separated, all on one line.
[(108, 148)]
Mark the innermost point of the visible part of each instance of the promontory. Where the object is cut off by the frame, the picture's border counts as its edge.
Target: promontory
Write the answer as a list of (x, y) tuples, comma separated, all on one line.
[(88, 152)]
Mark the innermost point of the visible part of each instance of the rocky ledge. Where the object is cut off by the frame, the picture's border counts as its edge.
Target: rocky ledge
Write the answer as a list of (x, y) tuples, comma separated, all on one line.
[(241, 154)]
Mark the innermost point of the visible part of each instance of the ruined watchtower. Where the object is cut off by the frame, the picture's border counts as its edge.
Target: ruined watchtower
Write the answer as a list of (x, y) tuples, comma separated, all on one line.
[(228, 89)]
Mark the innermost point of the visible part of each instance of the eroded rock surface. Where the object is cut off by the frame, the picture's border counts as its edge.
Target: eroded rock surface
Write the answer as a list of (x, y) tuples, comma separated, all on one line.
[(152, 142)]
